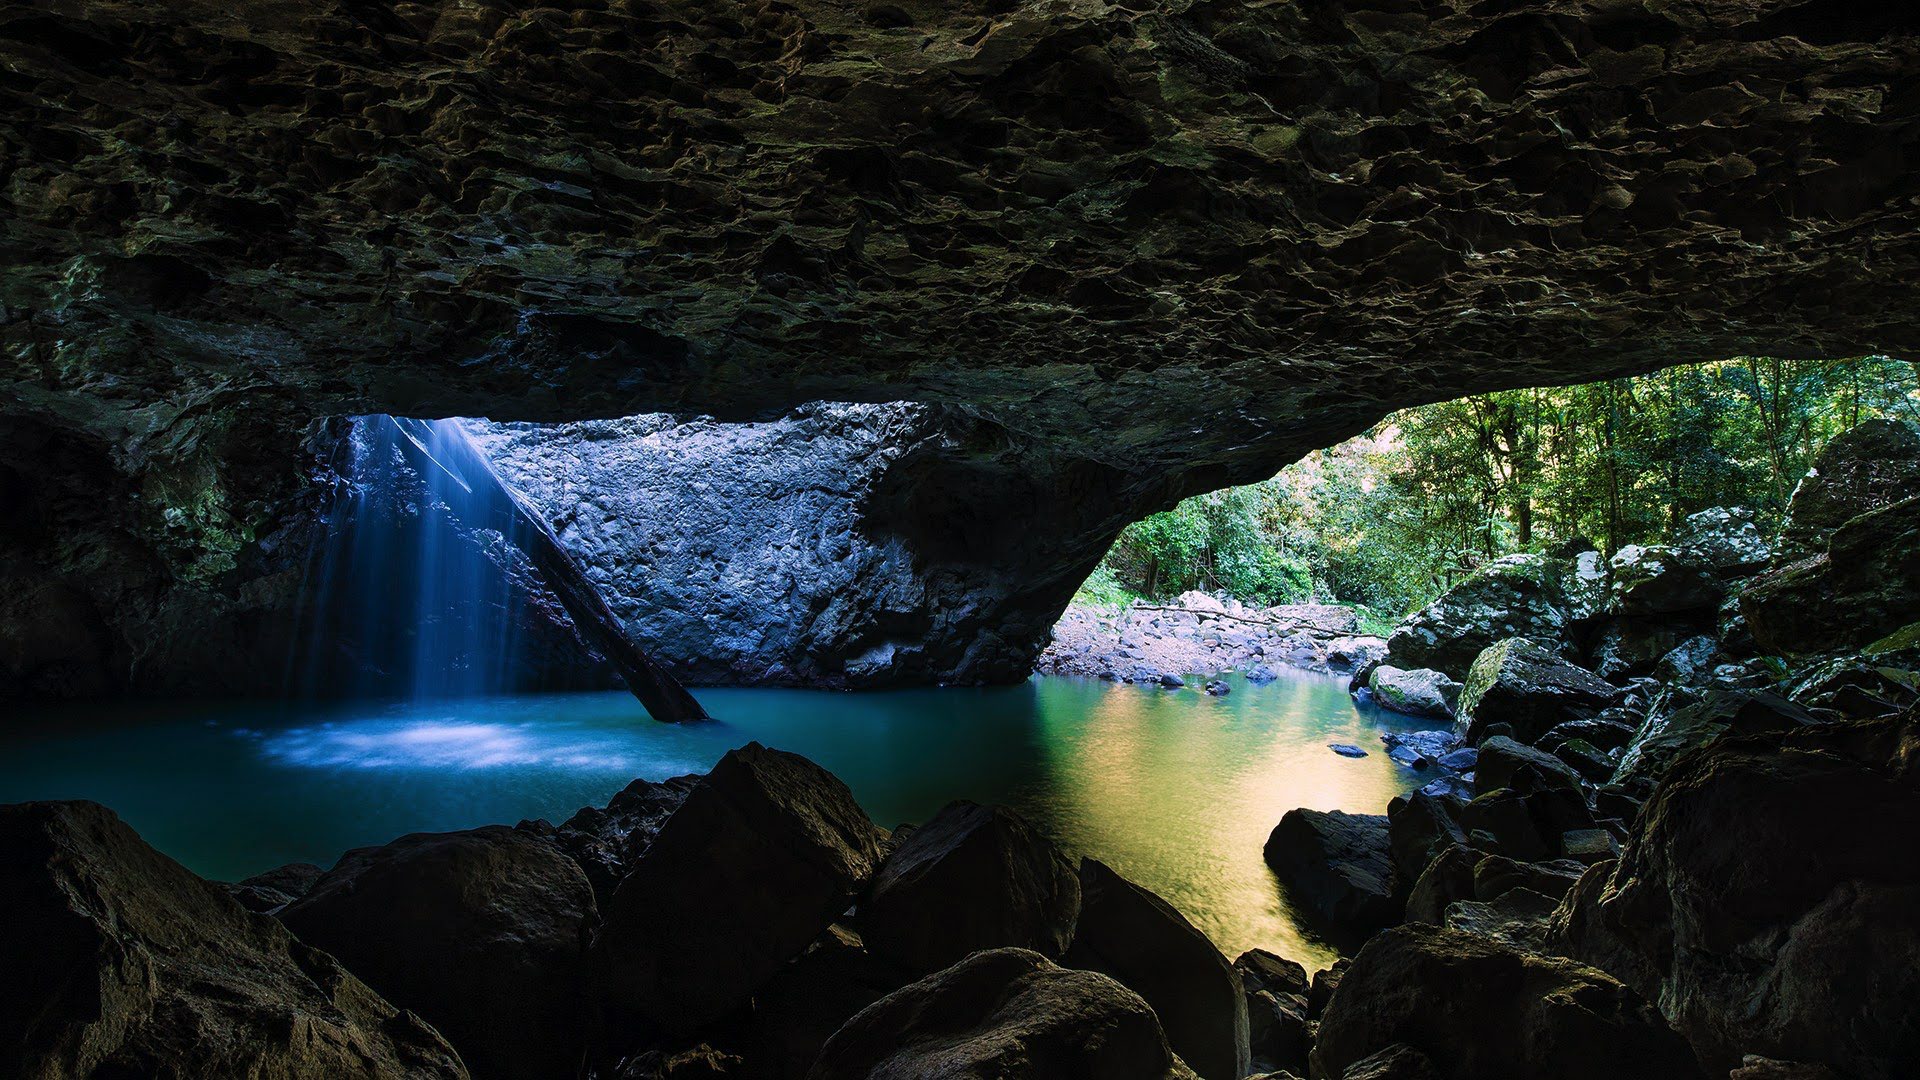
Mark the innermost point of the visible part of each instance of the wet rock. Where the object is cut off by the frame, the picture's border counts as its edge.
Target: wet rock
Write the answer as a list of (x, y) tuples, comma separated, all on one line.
[(1865, 586), (972, 877), (607, 841), (1690, 663), (1262, 970), (119, 962), (1659, 579), (1518, 918), (1396, 1062), (1604, 732), (1669, 733), (767, 849), (1419, 828), (1758, 900), (1494, 875), (1217, 688), (1507, 764), (1422, 692), (1338, 868), (1517, 683), (1485, 1011), (1346, 750), (1593, 765), (1723, 540), (1129, 933), (811, 998), (1325, 982), (1449, 877), (1279, 1032), (1866, 468), (1625, 646), (1513, 596), (1006, 1013), (483, 933), (274, 889)]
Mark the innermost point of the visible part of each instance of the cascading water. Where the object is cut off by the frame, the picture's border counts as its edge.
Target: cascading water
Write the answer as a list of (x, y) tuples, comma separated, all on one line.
[(421, 586)]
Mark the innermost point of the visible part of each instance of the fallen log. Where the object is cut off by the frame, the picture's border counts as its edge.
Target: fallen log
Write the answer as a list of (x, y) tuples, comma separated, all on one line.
[(456, 456)]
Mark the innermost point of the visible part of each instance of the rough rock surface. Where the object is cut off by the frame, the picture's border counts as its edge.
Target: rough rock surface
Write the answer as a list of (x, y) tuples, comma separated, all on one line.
[(274, 889), (1004, 1013), (119, 962), (1660, 579), (606, 841), (1201, 635), (767, 849), (1337, 868), (1485, 1011), (1133, 935), (972, 877), (1528, 688), (1421, 692), (1132, 253), (1863, 469), (1512, 596), (483, 933), (1864, 586), (757, 553), (1760, 904)]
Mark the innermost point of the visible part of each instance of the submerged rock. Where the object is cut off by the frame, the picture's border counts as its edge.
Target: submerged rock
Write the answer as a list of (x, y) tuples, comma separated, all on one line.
[(1131, 934), (1337, 868), (1481, 1010), (767, 849), (119, 962), (973, 877), (1009, 1014), (483, 933)]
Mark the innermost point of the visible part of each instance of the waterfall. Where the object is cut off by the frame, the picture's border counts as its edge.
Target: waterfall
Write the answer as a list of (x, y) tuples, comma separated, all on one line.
[(419, 586)]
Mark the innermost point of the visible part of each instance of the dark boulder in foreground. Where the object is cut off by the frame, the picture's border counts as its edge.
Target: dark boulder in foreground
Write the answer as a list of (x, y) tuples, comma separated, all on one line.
[(607, 841), (809, 1000), (1480, 1010), (1517, 683), (1767, 900), (271, 890), (115, 961), (766, 851), (1008, 1014), (483, 933), (973, 877), (1129, 933), (1338, 868)]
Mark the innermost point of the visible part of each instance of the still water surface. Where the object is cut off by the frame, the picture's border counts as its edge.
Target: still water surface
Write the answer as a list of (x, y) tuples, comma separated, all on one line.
[(1174, 789)]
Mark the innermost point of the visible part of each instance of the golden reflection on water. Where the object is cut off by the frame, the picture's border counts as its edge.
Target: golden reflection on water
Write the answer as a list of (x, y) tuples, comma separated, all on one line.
[(1179, 792)]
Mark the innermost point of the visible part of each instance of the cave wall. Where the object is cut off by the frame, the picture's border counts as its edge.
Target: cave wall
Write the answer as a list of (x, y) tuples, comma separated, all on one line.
[(1132, 253)]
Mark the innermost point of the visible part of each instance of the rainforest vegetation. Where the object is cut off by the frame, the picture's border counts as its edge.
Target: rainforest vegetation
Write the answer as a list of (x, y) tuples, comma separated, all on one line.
[(1391, 518)]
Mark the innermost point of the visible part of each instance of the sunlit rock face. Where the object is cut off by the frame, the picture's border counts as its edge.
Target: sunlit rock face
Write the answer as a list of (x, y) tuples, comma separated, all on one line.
[(1133, 253), (763, 553)]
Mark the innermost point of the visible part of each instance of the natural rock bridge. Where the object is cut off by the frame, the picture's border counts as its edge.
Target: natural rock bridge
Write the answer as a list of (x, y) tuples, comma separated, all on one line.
[(1118, 254)]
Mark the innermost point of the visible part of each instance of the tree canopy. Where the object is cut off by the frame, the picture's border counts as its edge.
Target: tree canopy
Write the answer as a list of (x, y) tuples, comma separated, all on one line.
[(1393, 517)]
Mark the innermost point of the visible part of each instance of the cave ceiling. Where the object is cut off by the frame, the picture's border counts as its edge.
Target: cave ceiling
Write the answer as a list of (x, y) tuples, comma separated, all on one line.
[(1184, 241)]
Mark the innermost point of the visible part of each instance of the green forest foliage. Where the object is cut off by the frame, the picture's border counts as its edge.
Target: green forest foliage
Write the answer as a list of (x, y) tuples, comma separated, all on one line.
[(1390, 519)]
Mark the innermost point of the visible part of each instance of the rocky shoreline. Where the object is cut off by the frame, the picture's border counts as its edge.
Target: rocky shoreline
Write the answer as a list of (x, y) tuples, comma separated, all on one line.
[(1198, 637)]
